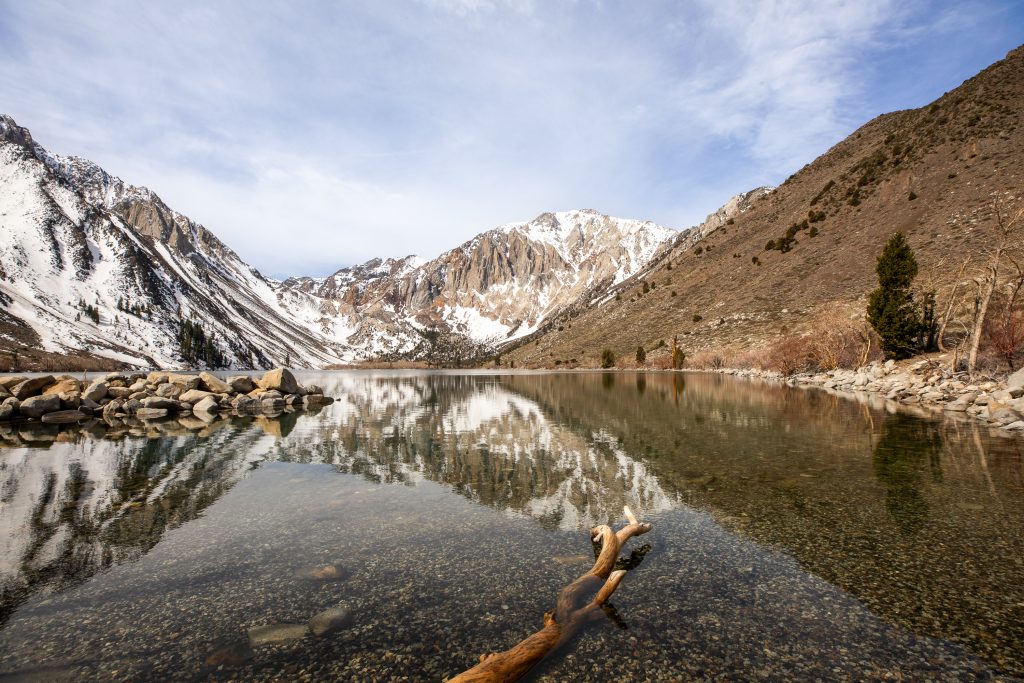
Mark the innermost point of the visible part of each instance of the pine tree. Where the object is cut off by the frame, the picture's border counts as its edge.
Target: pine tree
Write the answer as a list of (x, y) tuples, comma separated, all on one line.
[(607, 358), (641, 355), (891, 309)]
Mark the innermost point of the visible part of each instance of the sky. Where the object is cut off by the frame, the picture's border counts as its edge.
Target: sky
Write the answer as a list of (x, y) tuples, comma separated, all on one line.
[(310, 136)]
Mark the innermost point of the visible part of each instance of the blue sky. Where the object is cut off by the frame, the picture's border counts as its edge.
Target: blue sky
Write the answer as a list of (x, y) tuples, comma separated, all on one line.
[(314, 135)]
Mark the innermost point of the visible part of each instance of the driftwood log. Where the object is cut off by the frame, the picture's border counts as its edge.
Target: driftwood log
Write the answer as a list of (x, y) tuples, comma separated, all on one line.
[(577, 604)]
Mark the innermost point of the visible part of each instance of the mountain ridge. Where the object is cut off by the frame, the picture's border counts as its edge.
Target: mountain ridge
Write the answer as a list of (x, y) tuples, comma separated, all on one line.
[(103, 273)]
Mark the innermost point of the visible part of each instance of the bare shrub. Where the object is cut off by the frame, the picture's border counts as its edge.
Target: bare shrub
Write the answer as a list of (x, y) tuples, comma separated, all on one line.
[(789, 355), (1004, 331)]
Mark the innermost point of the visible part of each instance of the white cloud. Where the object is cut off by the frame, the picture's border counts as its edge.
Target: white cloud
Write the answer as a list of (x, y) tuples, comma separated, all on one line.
[(315, 136)]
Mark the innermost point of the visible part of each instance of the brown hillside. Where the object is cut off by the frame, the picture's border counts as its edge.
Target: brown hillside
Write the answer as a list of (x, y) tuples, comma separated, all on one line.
[(932, 173)]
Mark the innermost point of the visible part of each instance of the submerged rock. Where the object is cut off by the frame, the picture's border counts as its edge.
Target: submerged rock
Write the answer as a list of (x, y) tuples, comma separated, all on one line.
[(330, 620), (326, 572), (232, 654), (277, 633)]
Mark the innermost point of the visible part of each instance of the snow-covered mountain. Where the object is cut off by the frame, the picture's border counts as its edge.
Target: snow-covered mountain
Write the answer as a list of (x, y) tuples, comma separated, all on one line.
[(502, 284), (95, 267), (91, 264)]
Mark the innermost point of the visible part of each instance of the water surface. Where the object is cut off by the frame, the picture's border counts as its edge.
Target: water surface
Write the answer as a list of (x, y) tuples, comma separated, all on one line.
[(796, 534)]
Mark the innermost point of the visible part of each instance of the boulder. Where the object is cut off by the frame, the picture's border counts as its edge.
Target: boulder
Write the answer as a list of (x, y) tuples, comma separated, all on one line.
[(31, 387), (113, 407), (6, 411), (246, 404), (241, 385), (272, 404), (95, 391), (64, 385), (214, 384), (37, 406), (207, 405), (160, 403), (168, 390), (280, 379), (186, 382), (132, 406), (1016, 380), (330, 620), (70, 401), (316, 400), (8, 381), (150, 413), (277, 633), (194, 396), (64, 417), (3, 392), (119, 392), (139, 385), (313, 389), (139, 395)]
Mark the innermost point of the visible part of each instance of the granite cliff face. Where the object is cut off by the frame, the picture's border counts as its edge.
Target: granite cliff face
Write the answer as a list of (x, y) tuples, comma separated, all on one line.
[(500, 285)]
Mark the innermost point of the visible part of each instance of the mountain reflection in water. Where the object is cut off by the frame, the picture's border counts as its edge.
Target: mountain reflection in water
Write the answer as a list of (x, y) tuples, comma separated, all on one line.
[(920, 519)]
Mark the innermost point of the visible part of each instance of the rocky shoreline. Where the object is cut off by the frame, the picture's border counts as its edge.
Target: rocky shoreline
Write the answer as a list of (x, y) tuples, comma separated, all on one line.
[(926, 383), (67, 400)]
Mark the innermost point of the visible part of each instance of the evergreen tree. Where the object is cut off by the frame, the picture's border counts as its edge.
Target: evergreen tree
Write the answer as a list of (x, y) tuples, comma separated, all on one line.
[(891, 310), (641, 355), (607, 358)]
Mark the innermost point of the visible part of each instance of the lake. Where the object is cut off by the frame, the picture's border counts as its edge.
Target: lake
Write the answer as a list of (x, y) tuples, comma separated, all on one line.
[(797, 535)]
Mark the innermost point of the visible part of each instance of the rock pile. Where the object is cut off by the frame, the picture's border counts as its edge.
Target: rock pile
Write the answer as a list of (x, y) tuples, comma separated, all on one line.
[(925, 383), (64, 399)]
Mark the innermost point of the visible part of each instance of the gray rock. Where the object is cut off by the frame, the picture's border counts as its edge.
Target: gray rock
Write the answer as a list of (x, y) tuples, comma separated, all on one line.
[(277, 633), (246, 404), (957, 406), (112, 408), (241, 385), (64, 417), (168, 390), (316, 400), (31, 387), (151, 413), (70, 401), (194, 396), (37, 406), (95, 391), (280, 379), (1004, 415), (213, 384), (160, 403), (138, 385), (119, 392), (6, 411), (207, 405), (132, 406), (330, 620), (272, 404), (1016, 380), (1015, 426), (8, 381)]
